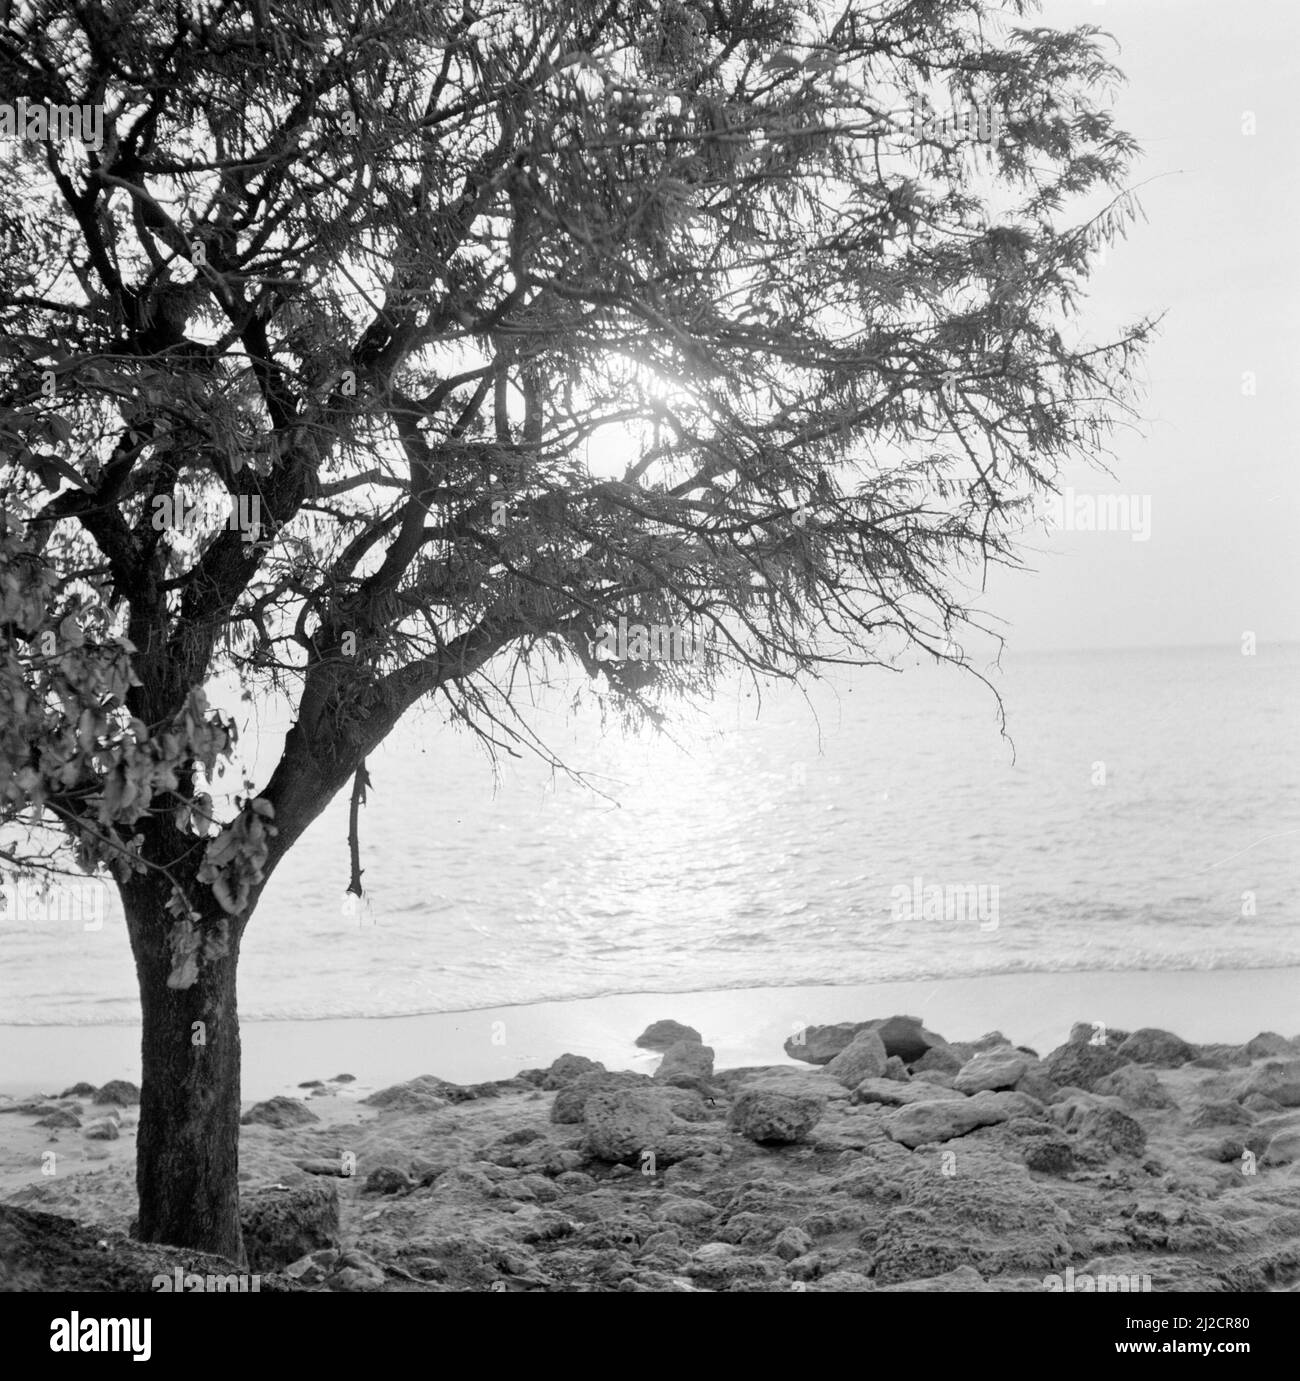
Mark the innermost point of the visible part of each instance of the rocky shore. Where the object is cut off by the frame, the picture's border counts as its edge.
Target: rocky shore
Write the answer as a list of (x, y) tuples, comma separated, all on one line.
[(887, 1159)]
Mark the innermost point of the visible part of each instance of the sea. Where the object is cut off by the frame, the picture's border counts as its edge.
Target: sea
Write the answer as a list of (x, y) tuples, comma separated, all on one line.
[(1061, 811)]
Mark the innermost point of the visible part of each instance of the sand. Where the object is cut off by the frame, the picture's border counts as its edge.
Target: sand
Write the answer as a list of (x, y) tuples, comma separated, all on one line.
[(745, 1026)]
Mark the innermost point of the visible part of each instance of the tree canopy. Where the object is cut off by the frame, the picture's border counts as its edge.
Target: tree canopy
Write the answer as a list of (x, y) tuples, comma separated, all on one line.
[(492, 324)]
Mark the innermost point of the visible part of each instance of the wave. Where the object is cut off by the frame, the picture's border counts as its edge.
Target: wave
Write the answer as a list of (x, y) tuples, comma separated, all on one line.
[(1150, 964)]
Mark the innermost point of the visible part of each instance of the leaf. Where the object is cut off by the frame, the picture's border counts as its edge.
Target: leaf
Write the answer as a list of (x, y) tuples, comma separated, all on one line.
[(86, 731), (185, 939), (185, 974), (50, 468)]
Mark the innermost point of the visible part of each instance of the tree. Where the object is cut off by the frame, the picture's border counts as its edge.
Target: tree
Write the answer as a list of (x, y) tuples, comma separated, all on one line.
[(383, 280)]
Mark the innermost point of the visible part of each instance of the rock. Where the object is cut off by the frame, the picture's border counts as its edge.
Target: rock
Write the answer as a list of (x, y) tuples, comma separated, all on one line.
[(1103, 1130), (61, 1117), (575, 1181), (1233, 1147), (676, 1147), (280, 1225), (567, 1068), (1068, 1107), (923, 1123), (44, 1253), (895, 1095), (659, 1035), (118, 1091), (1013, 1103), (906, 1037), (934, 1078), (1278, 1080), (1284, 1148), (1221, 1115), (964, 1280), (522, 1136), (623, 1123), (279, 1112), (1049, 1155), (699, 1089), (79, 1091), (1080, 1066), (844, 1282), (686, 1103), (785, 1079), (940, 1059), (344, 1079), (1259, 1102), (1137, 1086), (772, 1118), (687, 1213), (1267, 1045), (991, 1069), (719, 1264), (354, 1272), (895, 1069), (1220, 1057), (819, 1045), (313, 1083), (314, 1268), (1151, 1046), (1029, 1126), (387, 1179), (792, 1242), (1087, 1033), (324, 1167), (572, 1099), (1036, 1082), (989, 1215), (426, 1093), (689, 1058), (103, 1129), (863, 1058), (468, 1093)]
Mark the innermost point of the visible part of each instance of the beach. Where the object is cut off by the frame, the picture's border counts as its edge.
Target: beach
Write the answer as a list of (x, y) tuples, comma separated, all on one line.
[(1037, 1133), (744, 1026)]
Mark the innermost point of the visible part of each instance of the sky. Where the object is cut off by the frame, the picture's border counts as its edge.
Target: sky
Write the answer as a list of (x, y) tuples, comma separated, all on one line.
[(1214, 462), (1211, 468)]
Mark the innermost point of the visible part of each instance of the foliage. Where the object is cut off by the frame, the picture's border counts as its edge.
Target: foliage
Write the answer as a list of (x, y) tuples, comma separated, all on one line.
[(398, 280)]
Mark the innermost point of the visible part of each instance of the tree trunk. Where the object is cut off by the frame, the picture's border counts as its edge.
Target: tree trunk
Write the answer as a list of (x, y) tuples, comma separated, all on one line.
[(187, 1152)]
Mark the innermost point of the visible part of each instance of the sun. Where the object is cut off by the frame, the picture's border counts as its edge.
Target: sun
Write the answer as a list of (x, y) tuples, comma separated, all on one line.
[(612, 449)]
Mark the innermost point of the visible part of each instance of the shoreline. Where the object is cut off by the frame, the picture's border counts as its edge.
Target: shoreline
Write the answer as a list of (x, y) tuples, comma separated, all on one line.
[(746, 1026)]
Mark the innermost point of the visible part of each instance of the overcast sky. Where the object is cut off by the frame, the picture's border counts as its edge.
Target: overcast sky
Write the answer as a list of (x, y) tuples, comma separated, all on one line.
[(1220, 255)]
